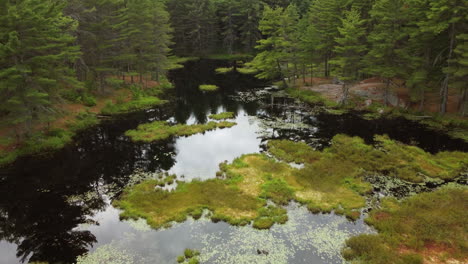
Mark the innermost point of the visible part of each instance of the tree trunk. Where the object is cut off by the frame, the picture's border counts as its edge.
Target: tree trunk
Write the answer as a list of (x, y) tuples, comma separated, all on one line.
[(423, 99), (344, 98), (281, 73), (445, 83), (387, 88)]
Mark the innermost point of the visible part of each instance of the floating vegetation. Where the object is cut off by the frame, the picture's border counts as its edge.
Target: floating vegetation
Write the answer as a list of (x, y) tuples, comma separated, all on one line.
[(161, 130), (208, 87), (222, 116), (106, 254), (190, 256), (322, 236), (425, 226), (224, 70)]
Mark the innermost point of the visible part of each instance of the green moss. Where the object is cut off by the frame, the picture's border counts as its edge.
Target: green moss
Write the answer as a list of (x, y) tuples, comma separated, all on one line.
[(180, 259), (224, 70), (194, 261), (290, 151), (424, 220), (161, 130), (137, 104), (270, 215), (222, 116), (159, 207), (190, 253), (278, 191), (311, 97), (208, 87)]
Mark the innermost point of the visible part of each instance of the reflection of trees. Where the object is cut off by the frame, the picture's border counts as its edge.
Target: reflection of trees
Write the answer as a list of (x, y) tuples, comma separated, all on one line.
[(35, 209)]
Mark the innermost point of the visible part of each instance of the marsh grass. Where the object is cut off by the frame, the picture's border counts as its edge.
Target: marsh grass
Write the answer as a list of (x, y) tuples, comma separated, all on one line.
[(161, 130), (208, 87), (417, 224), (222, 116), (51, 140), (141, 103), (311, 97)]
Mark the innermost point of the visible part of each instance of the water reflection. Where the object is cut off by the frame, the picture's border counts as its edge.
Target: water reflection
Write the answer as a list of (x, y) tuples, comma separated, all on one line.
[(199, 156), (305, 238)]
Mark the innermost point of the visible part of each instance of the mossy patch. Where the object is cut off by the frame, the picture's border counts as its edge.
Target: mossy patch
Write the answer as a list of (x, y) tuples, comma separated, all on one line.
[(159, 207), (223, 70), (141, 103), (408, 230), (311, 97), (161, 130), (222, 116), (208, 87)]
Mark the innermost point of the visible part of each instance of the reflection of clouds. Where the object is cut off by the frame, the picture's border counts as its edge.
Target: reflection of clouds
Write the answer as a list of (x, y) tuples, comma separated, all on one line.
[(305, 238), (199, 156), (8, 253)]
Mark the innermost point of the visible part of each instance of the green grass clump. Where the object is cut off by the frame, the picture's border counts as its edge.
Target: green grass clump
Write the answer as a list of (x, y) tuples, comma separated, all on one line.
[(222, 116), (311, 97), (181, 259), (138, 104), (290, 151), (270, 215), (189, 256), (161, 130), (416, 224), (208, 87), (278, 191), (224, 70)]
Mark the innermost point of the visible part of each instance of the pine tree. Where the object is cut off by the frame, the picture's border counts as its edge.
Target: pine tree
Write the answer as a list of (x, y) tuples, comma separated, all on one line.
[(387, 40), (447, 17), (325, 16), (349, 50), (271, 52), (36, 49)]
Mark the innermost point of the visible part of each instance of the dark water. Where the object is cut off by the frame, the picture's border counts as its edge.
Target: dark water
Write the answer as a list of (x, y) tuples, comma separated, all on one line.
[(56, 207)]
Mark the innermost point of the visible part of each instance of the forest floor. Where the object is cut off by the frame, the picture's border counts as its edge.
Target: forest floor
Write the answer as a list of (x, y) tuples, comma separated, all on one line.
[(372, 90)]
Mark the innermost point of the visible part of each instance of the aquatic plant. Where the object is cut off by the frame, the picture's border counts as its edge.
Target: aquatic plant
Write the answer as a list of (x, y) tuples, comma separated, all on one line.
[(408, 230), (224, 70), (208, 87), (108, 254), (222, 116), (161, 130)]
